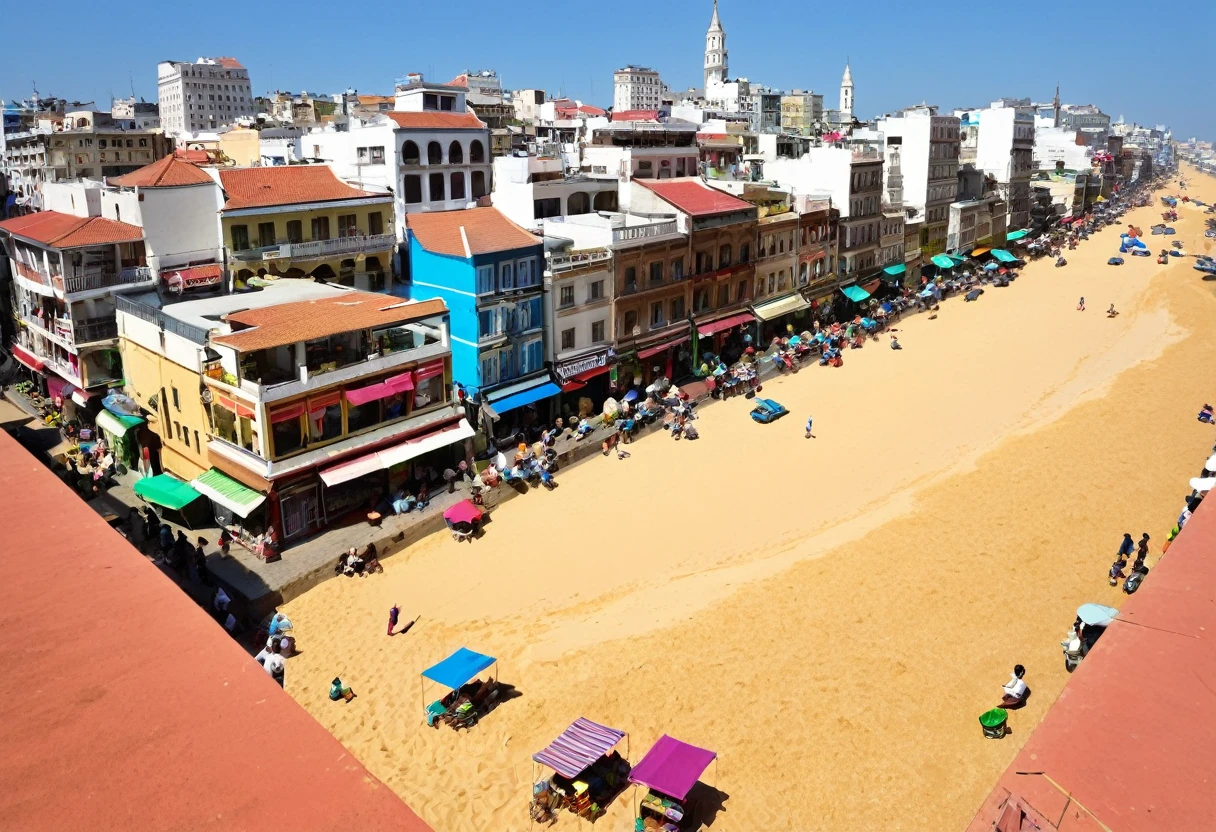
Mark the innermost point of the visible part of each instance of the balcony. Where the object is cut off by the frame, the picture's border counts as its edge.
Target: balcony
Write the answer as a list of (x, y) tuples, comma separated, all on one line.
[(87, 280), (578, 259), (92, 330), (317, 249), (642, 232)]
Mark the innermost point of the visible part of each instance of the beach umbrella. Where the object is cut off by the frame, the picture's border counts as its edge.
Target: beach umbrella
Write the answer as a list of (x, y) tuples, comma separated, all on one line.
[(1096, 615), (463, 512), (631, 396), (1202, 485), (1211, 463), (795, 341), (992, 266)]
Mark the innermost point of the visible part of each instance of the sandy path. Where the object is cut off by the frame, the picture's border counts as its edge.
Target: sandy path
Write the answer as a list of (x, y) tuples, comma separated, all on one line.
[(830, 615)]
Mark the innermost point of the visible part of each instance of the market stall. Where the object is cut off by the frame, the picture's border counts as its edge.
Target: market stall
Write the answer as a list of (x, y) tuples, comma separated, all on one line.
[(237, 508), (466, 700), (669, 771), (180, 503), (587, 773)]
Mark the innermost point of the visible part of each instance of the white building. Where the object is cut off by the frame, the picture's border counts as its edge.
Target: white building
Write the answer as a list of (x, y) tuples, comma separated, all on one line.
[(717, 69), (929, 167), (431, 152), (134, 115), (579, 289), (528, 189), (202, 95), (649, 149), (846, 92), (1056, 147), (636, 88), (999, 141), (527, 104)]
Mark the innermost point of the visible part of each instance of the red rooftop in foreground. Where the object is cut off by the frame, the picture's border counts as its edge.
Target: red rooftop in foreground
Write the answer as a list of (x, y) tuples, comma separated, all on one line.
[(1130, 745), (125, 708), (694, 198)]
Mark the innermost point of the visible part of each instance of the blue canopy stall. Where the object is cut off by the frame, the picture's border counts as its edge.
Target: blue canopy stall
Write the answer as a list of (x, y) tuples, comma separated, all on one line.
[(453, 672)]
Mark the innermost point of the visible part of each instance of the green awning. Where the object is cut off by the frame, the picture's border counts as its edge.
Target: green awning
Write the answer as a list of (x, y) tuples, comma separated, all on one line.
[(942, 261), (957, 258), (1003, 256), (166, 491), (229, 493), (855, 293), (116, 424), (896, 271), (1014, 236)]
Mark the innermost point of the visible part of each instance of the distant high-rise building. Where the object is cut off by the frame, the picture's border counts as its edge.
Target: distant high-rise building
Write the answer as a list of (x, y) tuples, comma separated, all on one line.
[(203, 95), (636, 88)]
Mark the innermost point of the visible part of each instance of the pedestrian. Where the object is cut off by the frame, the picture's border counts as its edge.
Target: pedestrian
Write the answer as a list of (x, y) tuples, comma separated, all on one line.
[(809, 422), (1127, 547), (393, 615), (151, 524), (200, 562), (1142, 548), (449, 476), (225, 541), (182, 553), (274, 664), (1081, 304), (165, 541)]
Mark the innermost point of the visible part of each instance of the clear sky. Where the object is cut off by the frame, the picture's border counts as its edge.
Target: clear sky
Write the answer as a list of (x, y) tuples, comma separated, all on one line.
[(1141, 60)]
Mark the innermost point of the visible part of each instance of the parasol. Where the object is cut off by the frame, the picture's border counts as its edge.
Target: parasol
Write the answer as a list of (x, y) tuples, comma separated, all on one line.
[(463, 512), (991, 267), (1096, 615), (1202, 485), (631, 396), (1211, 463)]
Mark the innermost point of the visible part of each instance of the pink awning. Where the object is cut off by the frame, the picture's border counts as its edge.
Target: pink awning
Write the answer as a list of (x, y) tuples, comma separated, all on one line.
[(666, 345), (726, 323), (391, 386), (286, 414), (427, 371), (27, 358), (386, 458)]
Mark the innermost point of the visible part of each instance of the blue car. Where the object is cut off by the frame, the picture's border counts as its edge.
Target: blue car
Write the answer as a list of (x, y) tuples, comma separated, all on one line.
[(767, 410)]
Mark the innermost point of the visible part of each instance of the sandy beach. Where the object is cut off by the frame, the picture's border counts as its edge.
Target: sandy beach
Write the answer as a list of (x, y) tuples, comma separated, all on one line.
[(829, 615)]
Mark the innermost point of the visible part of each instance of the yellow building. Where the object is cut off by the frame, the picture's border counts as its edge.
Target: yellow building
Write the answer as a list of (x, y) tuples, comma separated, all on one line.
[(242, 145), (302, 221)]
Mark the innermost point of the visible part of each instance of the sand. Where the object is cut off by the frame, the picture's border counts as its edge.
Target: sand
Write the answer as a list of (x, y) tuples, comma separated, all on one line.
[(830, 615)]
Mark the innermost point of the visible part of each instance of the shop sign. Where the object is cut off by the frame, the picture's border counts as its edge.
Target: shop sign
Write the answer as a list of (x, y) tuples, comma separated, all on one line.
[(576, 366)]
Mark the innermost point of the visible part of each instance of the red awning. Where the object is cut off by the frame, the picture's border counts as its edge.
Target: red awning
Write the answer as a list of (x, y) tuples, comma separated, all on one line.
[(588, 374), (239, 408), (872, 285), (666, 345), (726, 323), (571, 386), (28, 358)]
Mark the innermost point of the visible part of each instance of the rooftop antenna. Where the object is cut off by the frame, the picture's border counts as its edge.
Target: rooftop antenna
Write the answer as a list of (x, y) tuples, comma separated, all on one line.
[(131, 78)]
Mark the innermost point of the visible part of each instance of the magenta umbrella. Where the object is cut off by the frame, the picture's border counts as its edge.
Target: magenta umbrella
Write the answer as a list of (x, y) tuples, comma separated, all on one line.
[(463, 512)]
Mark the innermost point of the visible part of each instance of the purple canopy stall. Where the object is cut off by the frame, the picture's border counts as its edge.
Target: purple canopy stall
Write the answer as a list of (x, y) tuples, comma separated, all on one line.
[(669, 770), (578, 747)]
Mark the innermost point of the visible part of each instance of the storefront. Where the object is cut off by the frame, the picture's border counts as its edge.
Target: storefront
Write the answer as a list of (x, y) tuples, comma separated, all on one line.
[(236, 507), (520, 406), (777, 316), (586, 381), (724, 337), (667, 356), (119, 433)]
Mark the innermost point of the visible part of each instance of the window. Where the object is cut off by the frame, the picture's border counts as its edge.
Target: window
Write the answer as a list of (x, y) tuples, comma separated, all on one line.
[(266, 234), (434, 154), (631, 321), (567, 296), (479, 183), (430, 101), (506, 276), (677, 269), (677, 309), (631, 279), (287, 436), (361, 417), (596, 290), (723, 295), (101, 143), (741, 291), (377, 155), (656, 271), (455, 154), (361, 155), (447, 102), (724, 257), (477, 154), (597, 331), (568, 339), (489, 369), (295, 231), (347, 225), (488, 322), (320, 228), (525, 274), (745, 252), (656, 314), (375, 223), (176, 403), (240, 238), (458, 185), (485, 280), (413, 189), (143, 142), (409, 154), (436, 182), (700, 301)]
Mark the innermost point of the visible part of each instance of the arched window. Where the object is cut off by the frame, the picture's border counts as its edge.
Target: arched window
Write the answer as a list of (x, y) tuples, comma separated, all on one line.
[(605, 201), (455, 154), (578, 203), (457, 184), (477, 153), (434, 154), (409, 154), (724, 257)]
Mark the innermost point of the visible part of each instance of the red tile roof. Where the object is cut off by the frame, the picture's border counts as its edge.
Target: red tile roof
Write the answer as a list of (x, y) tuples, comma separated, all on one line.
[(1128, 741), (694, 198), (459, 81), (169, 172), (306, 320), (570, 108), (486, 229), (192, 156), (111, 727), (636, 115), (229, 63), (284, 185), (430, 120), (56, 230)]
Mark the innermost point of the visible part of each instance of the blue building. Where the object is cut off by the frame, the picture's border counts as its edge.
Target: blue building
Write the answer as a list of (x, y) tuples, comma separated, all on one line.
[(489, 272)]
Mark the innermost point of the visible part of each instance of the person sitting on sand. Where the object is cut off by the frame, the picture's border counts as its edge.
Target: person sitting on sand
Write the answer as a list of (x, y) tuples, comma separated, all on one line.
[(1206, 416), (1081, 304), (1116, 573), (895, 343), (354, 563), (1112, 312), (1015, 689)]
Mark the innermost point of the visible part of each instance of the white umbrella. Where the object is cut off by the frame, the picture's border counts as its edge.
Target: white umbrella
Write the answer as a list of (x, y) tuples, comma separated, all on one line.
[(1211, 463), (1201, 485), (1096, 615)]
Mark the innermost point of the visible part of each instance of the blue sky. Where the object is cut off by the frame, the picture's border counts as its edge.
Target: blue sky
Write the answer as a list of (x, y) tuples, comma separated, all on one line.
[(945, 52)]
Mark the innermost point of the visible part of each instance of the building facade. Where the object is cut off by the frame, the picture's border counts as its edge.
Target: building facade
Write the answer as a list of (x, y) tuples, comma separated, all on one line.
[(530, 189), (203, 94), (636, 88), (999, 141), (801, 112), (930, 160), (717, 69)]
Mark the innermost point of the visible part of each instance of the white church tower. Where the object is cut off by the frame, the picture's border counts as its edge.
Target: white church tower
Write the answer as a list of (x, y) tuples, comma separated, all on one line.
[(846, 93), (715, 52)]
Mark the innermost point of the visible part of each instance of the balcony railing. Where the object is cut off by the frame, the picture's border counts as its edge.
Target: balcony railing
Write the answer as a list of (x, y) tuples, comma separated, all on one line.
[(565, 262), (319, 248), (90, 330), (192, 333), (84, 281), (641, 232)]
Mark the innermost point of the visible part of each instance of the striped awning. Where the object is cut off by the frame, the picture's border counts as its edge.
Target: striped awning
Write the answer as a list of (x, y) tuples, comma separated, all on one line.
[(578, 747)]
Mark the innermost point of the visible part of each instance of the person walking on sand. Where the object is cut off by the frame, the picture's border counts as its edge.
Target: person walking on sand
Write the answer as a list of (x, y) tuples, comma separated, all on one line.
[(1142, 547), (1081, 304), (393, 615), (1127, 547), (809, 421), (1112, 312)]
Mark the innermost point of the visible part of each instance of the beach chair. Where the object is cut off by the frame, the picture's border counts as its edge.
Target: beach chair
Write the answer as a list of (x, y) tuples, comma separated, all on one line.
[(463, 715), (435, 713)]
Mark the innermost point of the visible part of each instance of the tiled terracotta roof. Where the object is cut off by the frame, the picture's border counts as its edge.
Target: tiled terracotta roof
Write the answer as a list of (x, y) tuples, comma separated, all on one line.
[(636, 115), (459, 81), (56, 230), (570, 108), (694, 198), (169, 172), (229, 63), (375, 99), (284, 185), (307, 320), (430, 120), (192, 156), (486, 229)]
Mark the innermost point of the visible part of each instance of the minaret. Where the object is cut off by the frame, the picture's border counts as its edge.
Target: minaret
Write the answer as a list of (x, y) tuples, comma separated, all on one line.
[(1055, 104), (715, 51), (846, 93)]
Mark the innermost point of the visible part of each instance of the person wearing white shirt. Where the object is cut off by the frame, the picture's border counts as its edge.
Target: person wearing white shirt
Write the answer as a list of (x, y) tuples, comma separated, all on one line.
[(1016, 690), (273, 662)]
